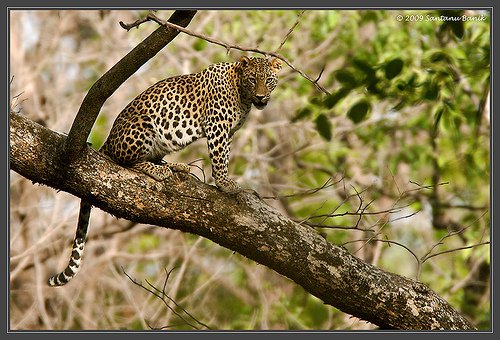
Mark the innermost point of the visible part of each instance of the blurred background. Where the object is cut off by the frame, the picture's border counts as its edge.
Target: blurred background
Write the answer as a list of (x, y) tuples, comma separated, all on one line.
[(400, 147)]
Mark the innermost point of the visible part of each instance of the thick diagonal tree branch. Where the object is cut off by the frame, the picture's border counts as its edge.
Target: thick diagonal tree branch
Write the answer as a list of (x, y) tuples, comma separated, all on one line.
[(242, 223), (105, 86)]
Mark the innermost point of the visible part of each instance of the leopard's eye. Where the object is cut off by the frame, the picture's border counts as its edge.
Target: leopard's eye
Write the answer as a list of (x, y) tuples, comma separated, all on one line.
[(251, 80)]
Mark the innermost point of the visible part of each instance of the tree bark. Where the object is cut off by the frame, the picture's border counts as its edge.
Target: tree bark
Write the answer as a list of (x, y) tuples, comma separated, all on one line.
[(239, 222)]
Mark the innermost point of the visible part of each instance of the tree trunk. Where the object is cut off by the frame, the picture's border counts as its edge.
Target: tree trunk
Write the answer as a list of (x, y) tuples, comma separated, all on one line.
[(239, 222)]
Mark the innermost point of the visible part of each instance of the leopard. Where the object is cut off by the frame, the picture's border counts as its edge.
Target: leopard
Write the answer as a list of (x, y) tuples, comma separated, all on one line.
[(174, 112)]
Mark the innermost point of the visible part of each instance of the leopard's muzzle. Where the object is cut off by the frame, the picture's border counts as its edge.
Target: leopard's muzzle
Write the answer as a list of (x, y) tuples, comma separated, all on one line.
[(260, 102)]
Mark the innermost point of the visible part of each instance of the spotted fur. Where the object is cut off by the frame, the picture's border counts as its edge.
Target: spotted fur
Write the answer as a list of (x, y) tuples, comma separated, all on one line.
[(173, 113)]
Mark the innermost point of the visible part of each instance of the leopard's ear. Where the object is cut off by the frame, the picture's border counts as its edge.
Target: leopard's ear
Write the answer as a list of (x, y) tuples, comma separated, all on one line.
[(275, 65), (244, 61)]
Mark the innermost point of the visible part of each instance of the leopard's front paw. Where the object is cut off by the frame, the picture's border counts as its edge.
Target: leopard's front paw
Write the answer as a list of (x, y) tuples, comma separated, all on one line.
[(158, 172), (227, 185), (180, 167)]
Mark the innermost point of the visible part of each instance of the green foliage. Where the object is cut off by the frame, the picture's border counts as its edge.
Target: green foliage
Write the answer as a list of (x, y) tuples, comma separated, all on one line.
[(332, 99), (424, 84), (358, 111), (393, 68), (324, 127), (345, 77), (302, 113)]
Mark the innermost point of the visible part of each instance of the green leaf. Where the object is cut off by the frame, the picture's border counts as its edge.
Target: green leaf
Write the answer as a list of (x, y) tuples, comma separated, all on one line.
[(449, 104), (431, 90), (412, 82), (439, 56), (457, 27), (315, 100), (370, 16), (345, 77), (373, 88), (301, 114), (393, 68), (364, 66), (324, 127), (358, 111), (332, 99), (399, 105), (437, 117)]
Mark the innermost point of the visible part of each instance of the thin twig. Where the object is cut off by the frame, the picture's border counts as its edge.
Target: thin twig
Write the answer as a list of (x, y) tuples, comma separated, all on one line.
[(406, 216), (290, 30), (164, 293), (341, 227), (325, 185), (430, 186), (160, 297), (385, 241), (320, 73), (161, 294), (309, 217), (394, 180), (136, 23), (356, 213), (456, 249), (449, 234), (461, 206)]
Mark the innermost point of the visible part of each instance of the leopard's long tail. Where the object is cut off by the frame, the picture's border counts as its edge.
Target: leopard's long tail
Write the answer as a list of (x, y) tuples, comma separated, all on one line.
[(78, 245)]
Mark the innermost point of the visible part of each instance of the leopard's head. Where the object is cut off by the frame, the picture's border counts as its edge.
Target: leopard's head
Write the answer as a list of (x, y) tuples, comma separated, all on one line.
[(259, 77)]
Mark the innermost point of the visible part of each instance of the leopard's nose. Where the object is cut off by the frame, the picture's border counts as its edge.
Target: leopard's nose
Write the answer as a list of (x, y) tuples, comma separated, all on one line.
[(259, 97)]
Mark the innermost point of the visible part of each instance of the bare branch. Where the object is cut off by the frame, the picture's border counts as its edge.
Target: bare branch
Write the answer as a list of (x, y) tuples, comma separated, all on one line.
[(420, 187), (460, 206), (449, 234), (329, 183), (320, 73), (226, 45), (357, 213), (162, 295), (406, 216), (136, 23), (290, 30), (324, 226), (457, 249), (369, 239)]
